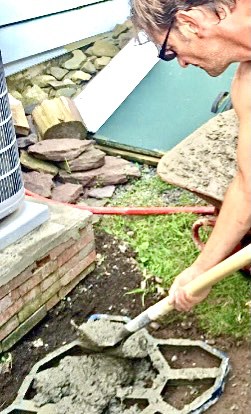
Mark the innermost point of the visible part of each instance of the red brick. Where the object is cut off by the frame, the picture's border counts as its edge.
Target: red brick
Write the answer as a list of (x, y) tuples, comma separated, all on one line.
[(4, 290), (5, 303), (64, 291), (86, 231), (52, 302), (31, 295), (31, 307), (46, 269), (29, 284), (23, 329), (15, 295), (6, 329), (75, 259), (22, 277), (48, 281), (50, 292), (61, 248), (42, 261), (76, 247), (11, 311), (78, 268), (88, 228), (8, 300)]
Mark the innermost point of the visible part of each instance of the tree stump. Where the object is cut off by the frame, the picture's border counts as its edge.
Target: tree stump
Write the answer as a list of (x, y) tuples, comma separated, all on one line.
[(58, 118)]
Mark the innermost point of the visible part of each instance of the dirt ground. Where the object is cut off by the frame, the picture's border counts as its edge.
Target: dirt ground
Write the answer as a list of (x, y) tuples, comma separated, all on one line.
[(104, 291)]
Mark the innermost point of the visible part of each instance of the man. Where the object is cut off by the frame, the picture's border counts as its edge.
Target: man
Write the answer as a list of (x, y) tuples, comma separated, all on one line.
[(212, 35)]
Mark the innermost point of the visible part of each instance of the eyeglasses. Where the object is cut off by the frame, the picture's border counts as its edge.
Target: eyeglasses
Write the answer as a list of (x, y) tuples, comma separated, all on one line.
[(166, 53)]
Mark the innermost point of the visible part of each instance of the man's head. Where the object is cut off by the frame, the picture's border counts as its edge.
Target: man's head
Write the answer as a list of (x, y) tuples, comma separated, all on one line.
[(197, 32)]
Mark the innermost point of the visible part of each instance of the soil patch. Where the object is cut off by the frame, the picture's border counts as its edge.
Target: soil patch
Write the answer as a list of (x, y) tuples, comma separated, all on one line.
[(104, 291)]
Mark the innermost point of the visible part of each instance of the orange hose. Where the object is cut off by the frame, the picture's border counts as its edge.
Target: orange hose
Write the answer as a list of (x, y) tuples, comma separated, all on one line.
[(129, 210)]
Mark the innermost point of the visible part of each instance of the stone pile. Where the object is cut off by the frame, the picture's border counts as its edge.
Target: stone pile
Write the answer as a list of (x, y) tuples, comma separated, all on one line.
[(66, 169), (68, 75)]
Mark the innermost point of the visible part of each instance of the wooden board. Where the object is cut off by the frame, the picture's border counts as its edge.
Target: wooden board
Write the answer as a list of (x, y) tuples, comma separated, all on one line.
[(130, 155)]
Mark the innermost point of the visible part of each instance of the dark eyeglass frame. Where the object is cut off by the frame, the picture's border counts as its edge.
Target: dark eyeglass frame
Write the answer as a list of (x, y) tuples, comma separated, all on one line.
[(166, 53)]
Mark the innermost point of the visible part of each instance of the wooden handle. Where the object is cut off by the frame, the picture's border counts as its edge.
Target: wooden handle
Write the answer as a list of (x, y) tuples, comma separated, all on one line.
[(220, 271), (205, 280)]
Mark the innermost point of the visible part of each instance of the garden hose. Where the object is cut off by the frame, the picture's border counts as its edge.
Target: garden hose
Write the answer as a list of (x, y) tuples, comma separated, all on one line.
[(129, 210)]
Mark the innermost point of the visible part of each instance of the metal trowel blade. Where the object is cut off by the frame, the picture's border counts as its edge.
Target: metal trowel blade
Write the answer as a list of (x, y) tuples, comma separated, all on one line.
[(97, 339)]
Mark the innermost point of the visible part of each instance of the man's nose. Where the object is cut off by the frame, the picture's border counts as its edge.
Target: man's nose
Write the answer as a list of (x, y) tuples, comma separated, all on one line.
[(182, 62)]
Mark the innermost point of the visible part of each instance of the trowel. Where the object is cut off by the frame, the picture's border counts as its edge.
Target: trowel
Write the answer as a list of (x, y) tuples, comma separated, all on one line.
[(205, 280)]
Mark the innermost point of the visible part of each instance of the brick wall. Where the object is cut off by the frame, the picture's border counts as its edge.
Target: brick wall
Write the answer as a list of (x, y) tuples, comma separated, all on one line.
[(26, 299)]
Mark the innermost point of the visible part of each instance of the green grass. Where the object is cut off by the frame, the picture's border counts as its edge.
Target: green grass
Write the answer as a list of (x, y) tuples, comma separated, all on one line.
[(164, 248)]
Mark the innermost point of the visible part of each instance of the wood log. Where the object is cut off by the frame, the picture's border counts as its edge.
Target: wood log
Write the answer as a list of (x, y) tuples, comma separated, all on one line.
[(18, 115), (58, 118)]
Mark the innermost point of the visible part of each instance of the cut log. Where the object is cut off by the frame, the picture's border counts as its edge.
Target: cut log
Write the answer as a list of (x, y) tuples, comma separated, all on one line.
[(18, 115), (58, 118)]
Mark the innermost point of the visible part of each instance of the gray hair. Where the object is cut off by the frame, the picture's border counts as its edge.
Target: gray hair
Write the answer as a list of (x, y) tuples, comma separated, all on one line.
[(151, 15)]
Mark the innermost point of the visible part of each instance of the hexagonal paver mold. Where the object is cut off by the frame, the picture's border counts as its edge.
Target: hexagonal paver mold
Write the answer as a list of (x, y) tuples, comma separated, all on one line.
[(147, 396)]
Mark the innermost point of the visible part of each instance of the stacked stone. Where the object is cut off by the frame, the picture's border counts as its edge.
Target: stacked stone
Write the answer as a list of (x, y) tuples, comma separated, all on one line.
[(39, 272), (68, 75), (66, 168)]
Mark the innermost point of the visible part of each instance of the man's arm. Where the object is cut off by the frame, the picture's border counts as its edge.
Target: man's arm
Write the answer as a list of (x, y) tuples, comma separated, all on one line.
[(234, 219)]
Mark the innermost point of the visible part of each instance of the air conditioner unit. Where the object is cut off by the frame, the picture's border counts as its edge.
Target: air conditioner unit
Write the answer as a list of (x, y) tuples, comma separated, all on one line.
[(11, 184)]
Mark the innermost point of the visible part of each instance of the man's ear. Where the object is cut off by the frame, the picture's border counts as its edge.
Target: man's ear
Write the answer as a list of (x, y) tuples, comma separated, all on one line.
[(190, 21)]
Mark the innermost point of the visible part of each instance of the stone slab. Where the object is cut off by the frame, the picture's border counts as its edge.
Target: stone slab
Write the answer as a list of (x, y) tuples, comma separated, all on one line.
[(206, 161), (64, 223), (28, 217)]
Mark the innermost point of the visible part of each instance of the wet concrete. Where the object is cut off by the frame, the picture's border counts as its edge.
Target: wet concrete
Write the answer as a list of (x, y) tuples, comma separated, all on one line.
[(99, 334), (88, 384), (102, 333), (124, 380)]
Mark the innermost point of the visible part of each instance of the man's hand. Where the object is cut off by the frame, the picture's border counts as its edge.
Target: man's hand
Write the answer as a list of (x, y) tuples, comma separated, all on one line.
[(181, 300)]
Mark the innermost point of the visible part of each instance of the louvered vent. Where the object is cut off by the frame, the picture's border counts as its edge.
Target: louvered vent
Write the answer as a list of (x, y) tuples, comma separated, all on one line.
[(11, 185)]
